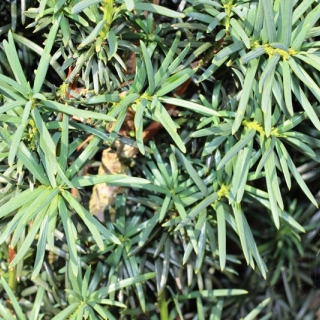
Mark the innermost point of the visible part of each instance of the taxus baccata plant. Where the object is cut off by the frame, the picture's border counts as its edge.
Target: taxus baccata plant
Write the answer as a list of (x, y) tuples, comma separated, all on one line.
[(159, 160)]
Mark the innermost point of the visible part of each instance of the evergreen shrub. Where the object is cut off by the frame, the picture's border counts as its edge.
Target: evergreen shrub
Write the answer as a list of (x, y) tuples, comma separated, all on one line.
[(159, 160)]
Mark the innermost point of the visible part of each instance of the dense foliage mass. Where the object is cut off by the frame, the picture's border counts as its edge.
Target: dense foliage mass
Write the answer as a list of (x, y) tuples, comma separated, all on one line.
[(159, 160)]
